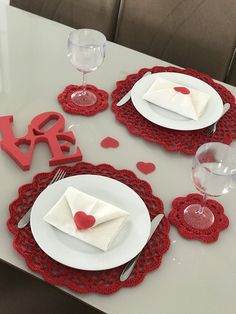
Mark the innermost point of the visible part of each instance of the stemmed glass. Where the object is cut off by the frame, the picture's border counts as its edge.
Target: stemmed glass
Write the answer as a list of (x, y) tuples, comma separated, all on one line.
[(214, 174), (86, 51)]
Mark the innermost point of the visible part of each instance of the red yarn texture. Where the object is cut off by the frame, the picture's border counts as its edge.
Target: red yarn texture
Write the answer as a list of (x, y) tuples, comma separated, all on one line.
[(103, 282), (176, 218), (68, 106), (186, 142)]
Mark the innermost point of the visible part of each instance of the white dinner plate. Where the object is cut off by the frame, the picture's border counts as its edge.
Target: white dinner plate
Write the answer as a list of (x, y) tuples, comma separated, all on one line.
[(169, 119), (76, 253)]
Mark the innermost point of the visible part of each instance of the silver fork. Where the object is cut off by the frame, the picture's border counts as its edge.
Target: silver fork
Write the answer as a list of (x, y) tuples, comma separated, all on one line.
[(212, 128), (60, 174)]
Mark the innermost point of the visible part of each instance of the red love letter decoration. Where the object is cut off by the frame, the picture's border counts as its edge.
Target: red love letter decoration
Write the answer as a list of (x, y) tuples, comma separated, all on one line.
[(83, 221), (55, 133)]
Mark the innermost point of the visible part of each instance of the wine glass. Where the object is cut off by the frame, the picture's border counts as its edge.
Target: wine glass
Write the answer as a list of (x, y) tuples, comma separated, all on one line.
[(214, 174), (86, 51)]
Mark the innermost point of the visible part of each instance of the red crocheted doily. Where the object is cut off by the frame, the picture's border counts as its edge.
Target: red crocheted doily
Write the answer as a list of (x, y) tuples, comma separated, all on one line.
[(176, 218), (68, 106), (104, 282), (173, 140)]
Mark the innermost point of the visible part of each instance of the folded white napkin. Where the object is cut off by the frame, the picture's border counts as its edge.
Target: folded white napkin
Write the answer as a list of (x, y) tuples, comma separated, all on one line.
[(99, 222), (183, 100)]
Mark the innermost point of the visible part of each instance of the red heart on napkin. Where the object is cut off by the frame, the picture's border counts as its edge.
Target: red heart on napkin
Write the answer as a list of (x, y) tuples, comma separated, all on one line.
[(182, 90), (83, 221), (108, 142), (145, 167)]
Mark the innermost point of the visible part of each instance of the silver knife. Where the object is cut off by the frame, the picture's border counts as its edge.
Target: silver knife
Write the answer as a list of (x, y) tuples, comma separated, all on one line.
[(226, 107), (127, 96), (24, 220), (130, 265)]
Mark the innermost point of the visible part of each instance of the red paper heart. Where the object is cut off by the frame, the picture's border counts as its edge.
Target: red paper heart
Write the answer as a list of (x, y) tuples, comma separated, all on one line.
[(145, 167), (109, 142), (182, 90), (83, 221)]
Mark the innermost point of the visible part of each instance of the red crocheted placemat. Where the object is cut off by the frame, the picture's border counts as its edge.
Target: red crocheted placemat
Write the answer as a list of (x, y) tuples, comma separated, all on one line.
[(176, 218), (103, 282), (68, 106), (186, 142)]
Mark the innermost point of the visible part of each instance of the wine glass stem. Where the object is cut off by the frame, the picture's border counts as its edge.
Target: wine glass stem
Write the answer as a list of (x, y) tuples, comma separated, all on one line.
[(84, 82), (201, 208)]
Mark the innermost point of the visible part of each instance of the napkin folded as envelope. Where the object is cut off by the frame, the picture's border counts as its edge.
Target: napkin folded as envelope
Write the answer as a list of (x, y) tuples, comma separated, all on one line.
[(183, 100), (107, 219)]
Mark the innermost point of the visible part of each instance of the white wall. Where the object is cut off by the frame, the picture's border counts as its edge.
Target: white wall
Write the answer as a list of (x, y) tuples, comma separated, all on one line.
[(5, 1)]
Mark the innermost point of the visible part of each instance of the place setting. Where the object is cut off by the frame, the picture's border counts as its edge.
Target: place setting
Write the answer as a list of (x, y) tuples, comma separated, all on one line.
[(79, 226), (179, 109)]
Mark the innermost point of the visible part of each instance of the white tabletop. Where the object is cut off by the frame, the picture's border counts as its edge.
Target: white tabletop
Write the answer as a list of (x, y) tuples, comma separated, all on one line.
[(194, 278)]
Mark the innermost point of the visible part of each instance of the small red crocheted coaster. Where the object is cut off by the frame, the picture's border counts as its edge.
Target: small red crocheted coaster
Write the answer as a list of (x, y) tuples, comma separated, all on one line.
[(82, 281), (176, 218), (68, 106)]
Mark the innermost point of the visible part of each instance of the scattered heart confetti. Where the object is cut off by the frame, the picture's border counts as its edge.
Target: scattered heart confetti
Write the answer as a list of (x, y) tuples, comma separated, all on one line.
[(182, 90), (83, 221), (109, 142), (145, 167)]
